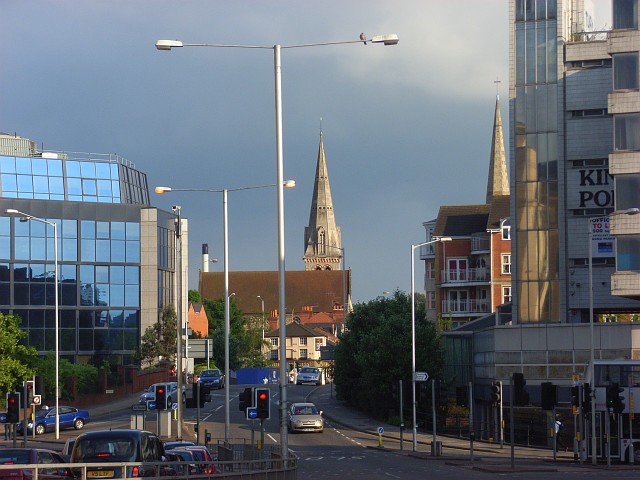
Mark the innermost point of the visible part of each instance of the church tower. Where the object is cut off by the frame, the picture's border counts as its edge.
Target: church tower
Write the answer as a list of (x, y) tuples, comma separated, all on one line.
[(323, 246), (498, 180)]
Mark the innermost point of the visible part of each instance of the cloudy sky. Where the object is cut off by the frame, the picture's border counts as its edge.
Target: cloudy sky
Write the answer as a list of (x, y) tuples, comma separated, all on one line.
[(406, 128)]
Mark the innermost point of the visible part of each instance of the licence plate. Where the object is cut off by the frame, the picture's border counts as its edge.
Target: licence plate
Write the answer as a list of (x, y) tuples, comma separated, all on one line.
[(307, 429), (100, 474)]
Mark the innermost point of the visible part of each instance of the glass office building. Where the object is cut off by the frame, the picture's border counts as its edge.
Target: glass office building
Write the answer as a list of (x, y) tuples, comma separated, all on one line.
[(110, 243)]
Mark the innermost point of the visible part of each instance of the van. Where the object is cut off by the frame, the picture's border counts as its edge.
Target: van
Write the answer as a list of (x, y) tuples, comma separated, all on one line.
[(120, 446)]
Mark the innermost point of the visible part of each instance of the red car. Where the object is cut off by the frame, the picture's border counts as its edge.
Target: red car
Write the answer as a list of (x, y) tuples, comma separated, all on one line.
[(27, 456)]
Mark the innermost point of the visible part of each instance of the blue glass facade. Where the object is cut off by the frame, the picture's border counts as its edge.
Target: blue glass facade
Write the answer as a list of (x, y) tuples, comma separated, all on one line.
[(97, 207)]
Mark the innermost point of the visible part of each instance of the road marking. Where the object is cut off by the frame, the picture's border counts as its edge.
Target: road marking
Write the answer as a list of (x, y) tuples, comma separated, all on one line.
[(271, 437)]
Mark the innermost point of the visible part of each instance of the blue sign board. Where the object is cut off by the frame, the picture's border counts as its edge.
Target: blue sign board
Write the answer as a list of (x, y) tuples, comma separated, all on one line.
[(252, 413), (151, 404)]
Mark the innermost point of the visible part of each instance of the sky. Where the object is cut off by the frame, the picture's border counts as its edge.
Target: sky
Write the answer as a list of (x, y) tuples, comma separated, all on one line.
[(406, 128)]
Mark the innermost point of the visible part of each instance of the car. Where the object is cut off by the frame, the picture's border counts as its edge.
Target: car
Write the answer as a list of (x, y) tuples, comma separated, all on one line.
[(171, 444), (305, 417), (45, 420), (172, 395), (210, 379), (112, 448), (68, 446), (27, 456), (309, 375), (200, 454)]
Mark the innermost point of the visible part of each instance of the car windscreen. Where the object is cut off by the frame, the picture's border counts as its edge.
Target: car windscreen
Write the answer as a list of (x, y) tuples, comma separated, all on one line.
[(11, 457), (309, 370), (113, 449), (305, 410)]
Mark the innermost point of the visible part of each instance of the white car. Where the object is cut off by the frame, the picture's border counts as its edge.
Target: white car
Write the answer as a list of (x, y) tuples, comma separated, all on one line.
[(305, 417), (172, 393), (309, 375)]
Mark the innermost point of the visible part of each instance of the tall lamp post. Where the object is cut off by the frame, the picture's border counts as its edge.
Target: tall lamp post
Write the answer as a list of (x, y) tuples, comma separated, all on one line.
[(413, 333), (13, 211), (629, 211), (227, 322), (277, 67)]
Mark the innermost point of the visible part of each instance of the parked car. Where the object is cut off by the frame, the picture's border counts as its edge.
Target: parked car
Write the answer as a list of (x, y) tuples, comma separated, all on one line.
[(201, 455), (305, 417), (39, 456), (171, 444), (309, 375), (187, 462), (210, 379), (172, 393), (118, 446), (45, 420), (68, 447)]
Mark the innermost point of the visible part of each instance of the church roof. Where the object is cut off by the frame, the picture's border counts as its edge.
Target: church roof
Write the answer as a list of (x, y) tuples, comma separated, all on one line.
[(317, 288)]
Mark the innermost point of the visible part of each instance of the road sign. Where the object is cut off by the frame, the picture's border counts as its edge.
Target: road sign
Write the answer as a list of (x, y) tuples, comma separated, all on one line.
[(37, 399), (380, 430), (421, 376), (252, 413), (139, 407), (151, 404), (174, 406)]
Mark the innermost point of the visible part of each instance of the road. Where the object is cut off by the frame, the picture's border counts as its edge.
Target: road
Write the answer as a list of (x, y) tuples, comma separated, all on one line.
[(345, 452)]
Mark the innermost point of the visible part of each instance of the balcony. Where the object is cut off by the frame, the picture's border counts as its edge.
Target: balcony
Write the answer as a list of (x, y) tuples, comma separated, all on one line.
[(625, 284), (427, 251), (468, 275), (465, 307), (480, 243)]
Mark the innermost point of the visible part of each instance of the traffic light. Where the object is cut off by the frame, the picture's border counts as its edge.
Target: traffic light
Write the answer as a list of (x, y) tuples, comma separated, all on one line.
[(586, 398), (549, 396), (161, 397), (13, 407), (521, 397), (575, 396), (496, 393), (202, 395), (462, 396), (246, 399), (39, 385), (615, 402), (29, 386), (262, 403)]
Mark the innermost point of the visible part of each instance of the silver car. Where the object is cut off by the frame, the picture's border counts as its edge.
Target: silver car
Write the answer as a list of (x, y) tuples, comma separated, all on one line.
[(309, 375), (172, 393), (305, 417)]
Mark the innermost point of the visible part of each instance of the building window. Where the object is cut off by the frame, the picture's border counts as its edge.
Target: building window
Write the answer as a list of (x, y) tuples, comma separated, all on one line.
[(506, 264), (431, 269), (625, 14), (303, 353), (625, 71), (627, 131), (274, 355), (506, 233), (627, 191), (628, 253), (302, 341), (274, 341), (431, 300), (506, 294)]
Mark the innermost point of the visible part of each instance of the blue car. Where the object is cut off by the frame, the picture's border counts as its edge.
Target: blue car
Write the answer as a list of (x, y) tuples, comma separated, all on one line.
[(45, 420)]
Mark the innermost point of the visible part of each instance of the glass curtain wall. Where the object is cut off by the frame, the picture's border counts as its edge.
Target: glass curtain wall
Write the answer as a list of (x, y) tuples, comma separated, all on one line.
[(536, 162)]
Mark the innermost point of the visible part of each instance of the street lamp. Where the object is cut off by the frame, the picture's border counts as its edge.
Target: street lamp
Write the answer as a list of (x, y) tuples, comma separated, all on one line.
[(413, 333), (277, 67), (227, 322), (628, 211), (56, 304)]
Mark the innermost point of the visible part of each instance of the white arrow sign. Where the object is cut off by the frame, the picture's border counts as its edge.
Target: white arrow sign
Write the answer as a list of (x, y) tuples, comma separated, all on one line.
[(421, 376)]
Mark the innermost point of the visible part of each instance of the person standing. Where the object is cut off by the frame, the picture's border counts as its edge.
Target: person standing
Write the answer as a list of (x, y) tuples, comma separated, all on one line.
[(558, 433)]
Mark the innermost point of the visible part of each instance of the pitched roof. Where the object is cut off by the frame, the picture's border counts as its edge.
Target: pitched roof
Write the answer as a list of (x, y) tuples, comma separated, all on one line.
[(461, 220), (498, 180), (294, 329), (317, 288), (499, 210)]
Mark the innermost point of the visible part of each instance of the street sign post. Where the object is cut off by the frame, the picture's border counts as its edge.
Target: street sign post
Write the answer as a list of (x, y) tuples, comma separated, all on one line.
[(252, 413), (421, 376)]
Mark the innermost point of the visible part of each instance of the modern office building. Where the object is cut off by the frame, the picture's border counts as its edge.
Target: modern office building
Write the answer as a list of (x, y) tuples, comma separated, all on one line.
[(116, 253)]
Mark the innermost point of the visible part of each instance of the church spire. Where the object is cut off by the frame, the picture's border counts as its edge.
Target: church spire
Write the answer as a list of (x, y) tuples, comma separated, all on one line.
[(322, 237), (498, 181)]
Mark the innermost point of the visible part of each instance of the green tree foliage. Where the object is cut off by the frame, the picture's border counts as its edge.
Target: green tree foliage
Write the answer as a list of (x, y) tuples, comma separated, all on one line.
[(242, 337), (16, 360), (159, 340), (375, 353), (86, 377), (194, 296)]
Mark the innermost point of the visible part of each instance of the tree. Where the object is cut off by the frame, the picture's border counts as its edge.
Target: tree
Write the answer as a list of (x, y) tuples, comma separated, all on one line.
[(159, 340), (194, 296), (375, 352), (242, 336), (16, 360)]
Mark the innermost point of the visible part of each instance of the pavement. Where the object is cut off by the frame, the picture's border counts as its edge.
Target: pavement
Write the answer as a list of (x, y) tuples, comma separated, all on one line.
[(485, 456)]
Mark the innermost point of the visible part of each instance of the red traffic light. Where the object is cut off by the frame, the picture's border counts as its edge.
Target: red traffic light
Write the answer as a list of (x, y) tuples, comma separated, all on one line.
[(160, 390), (12, 400), (262, 396)]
